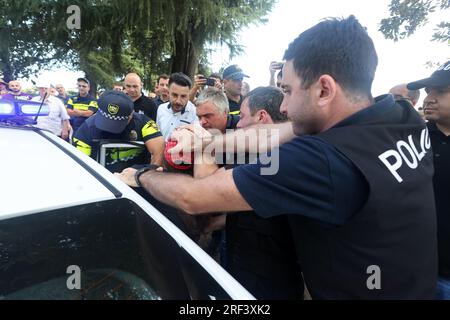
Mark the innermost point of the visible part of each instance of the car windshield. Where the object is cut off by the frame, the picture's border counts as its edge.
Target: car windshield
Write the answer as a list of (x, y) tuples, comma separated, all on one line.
[(114, 248)]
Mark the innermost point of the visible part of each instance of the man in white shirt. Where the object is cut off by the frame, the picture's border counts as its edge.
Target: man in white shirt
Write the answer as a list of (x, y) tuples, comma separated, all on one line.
[(57, 121), (179, 111)]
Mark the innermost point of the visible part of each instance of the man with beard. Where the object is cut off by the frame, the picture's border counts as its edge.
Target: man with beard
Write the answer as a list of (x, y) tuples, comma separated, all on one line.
[(179, 111)]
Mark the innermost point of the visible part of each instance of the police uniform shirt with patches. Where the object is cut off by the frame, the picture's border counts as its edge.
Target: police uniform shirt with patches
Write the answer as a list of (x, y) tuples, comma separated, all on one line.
[(141, 128), (87, 103)]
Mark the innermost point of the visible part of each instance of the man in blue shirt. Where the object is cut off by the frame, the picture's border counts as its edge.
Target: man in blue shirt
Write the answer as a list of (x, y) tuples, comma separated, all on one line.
[(355, 182)]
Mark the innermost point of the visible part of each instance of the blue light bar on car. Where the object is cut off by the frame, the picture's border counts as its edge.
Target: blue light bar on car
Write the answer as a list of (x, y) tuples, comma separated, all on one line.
[(17, 109), (7, 108), (30, 108)]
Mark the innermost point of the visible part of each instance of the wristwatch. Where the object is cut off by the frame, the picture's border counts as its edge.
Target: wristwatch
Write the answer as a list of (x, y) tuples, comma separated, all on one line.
[(143, 170)]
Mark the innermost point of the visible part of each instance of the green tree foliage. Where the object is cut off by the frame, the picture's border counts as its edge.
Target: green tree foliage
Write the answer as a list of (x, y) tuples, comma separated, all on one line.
[(22, 51), (406, 16), (118, 36)]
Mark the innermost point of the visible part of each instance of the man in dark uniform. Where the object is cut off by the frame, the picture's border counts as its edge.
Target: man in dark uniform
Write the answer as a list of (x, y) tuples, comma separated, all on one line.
[(142, 103), (233, 78), (355, 182), (116, 120), (82, 106), (437, 111), (260, 253)]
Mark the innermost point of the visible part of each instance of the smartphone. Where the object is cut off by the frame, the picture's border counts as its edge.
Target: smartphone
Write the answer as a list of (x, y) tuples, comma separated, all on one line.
[(211, 82)]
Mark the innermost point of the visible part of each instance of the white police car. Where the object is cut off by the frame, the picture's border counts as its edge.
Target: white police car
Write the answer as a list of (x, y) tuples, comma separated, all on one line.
[(70, 230)]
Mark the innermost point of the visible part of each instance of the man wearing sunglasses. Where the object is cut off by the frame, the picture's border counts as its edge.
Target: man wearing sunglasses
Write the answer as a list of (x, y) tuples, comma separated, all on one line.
[(82, 106)]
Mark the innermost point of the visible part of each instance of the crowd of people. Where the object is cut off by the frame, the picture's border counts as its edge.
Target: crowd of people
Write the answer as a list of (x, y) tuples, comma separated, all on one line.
[(358, 206)]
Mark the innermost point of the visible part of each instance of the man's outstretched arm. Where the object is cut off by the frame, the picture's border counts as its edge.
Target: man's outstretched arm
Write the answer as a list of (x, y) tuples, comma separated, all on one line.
[(215, 193)]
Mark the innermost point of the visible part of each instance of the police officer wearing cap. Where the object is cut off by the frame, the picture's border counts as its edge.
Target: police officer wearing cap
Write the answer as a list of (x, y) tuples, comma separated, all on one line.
[(356, 183), (437, 112), (116, 120), (81, 106), (233, 78)]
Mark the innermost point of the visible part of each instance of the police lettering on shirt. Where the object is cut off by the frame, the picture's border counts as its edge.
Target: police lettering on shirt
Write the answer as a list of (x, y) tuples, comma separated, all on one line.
[(406, 152)]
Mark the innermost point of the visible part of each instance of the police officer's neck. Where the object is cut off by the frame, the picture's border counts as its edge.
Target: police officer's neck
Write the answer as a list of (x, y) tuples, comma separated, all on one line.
[(343, 107), (444, 127)]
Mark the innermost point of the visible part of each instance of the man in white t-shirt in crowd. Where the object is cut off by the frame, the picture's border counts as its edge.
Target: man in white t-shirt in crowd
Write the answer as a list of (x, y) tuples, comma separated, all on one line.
[(57, 121), (179, 111)]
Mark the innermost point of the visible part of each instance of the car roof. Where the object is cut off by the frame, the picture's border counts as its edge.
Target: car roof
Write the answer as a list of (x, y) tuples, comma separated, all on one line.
[(38, 176)]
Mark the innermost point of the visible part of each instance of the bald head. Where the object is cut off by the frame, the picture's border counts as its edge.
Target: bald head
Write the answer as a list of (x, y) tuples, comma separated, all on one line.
[(401, 92), (14, 86), (133, 86)]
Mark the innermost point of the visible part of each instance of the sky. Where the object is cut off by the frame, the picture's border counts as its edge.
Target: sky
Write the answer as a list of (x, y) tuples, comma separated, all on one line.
[(399, 62)]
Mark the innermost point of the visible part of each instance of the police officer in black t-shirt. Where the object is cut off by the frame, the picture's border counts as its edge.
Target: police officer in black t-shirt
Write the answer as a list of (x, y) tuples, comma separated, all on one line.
[(437, 111), (355, 182)]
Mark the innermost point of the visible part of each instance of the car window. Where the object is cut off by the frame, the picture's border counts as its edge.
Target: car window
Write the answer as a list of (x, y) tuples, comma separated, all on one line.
[(121, 252)]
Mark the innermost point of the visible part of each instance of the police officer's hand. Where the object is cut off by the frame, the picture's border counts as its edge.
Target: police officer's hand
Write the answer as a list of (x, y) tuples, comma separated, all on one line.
[(128, 177)]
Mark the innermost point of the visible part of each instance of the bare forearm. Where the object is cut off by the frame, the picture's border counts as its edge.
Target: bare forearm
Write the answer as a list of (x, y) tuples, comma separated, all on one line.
[(79, 113), (157, 158), (169, 188), (204, 165), (260, 138)]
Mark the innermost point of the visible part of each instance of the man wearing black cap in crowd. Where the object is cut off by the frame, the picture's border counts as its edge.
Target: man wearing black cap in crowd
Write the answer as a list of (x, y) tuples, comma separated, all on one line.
[(233, 78), (355, 183), (82, 106), (437, 111), (116, 120)]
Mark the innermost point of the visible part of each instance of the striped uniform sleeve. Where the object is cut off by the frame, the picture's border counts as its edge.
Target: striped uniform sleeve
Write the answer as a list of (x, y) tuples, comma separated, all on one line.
[(82, 141), (70, 104), (150, 130), (93, 106)]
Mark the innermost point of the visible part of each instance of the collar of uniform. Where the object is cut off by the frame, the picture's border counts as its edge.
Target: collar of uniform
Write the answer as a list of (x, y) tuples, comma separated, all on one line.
[(382, 105), (232, 121), (183, 111), (432, 127)]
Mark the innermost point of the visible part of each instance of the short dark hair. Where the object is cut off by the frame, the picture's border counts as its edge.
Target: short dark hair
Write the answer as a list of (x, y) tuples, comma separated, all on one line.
[(180, 79), (269, 99), (162, 76), (216, 75), (340, 48)]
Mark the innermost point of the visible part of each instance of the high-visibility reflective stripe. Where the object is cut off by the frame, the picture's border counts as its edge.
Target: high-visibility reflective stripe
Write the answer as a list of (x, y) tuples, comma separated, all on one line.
[(82, 146), (149, 129), (82, 106), (93, 104), (236, 113), (116, 155)]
